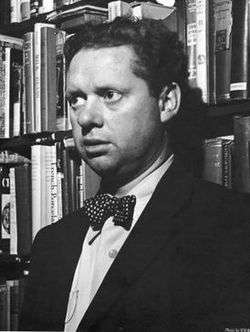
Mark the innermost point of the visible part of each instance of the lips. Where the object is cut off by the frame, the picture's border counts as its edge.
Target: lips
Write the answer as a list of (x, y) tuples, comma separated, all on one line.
[(94, 141), (95, 147)]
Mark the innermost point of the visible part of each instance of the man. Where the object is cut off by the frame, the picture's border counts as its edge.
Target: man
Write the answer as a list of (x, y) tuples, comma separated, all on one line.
[(173, 254)]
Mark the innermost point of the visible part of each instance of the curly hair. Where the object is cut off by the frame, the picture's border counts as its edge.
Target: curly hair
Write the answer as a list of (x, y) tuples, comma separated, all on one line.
[(160, 56)]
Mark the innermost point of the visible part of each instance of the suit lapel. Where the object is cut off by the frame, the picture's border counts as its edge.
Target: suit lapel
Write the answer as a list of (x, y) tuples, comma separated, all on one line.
[(153, 229)]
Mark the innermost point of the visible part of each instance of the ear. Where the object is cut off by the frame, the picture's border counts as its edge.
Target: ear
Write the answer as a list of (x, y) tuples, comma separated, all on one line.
[(169, 101)]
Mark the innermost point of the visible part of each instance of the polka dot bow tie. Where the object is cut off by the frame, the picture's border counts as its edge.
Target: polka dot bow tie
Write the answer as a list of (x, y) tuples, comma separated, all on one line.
[(102, 206)]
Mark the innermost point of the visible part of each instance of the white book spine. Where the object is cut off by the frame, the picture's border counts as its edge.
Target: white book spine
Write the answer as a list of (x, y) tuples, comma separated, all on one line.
[(7, 92), (37, 74), (13, 218), (202, 61), (54, 207), (15, 11), (36, 174)]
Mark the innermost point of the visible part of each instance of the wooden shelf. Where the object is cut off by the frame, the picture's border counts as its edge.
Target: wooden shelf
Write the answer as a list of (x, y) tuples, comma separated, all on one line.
[(235, 107), (31, 139)]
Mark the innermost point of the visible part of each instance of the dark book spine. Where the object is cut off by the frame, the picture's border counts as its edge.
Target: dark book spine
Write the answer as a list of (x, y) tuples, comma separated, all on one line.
[(223, 48), (48, 79), (212, 167), (3, 307), (24, 212), (240, 36), (241, 153)]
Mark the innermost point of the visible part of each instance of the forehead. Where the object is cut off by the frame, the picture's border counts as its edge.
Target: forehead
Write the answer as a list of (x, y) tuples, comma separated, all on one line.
[(102, 64)]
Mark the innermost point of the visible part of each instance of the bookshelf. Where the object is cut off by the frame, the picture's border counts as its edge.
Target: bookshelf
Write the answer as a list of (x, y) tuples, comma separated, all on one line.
[(219, 121)]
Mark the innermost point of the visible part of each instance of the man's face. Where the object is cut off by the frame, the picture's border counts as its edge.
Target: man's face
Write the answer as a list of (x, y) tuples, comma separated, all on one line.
[(115, 120)]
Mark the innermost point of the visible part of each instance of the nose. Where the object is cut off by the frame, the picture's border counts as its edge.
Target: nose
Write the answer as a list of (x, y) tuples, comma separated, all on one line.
[(90, 115)]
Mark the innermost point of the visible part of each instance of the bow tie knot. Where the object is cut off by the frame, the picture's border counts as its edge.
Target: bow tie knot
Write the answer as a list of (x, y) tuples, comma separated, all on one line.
[(99, 208)]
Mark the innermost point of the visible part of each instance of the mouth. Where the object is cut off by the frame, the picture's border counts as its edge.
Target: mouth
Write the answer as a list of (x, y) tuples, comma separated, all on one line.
[(95, 147)]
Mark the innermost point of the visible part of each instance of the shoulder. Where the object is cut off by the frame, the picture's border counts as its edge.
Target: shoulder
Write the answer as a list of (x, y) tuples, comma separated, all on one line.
[(72, 226), (217, 198)]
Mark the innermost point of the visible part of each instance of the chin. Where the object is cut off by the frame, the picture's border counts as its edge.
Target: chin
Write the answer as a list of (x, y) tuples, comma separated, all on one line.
[(104, 168)]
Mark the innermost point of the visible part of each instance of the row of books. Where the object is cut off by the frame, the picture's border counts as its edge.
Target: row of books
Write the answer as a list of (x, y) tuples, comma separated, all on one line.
[(11, 298), (39, 190), (32, 81), (217, 46), (16, 11), (227, 158)]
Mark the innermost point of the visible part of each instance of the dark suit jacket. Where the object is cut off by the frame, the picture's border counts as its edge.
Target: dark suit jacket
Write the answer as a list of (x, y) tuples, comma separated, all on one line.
[(184, 267)]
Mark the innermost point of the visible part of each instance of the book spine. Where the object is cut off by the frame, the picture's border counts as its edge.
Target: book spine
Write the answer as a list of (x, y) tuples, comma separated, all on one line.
[(25, 10), (46, 185), (14, 305), (7, 91), (15, 11), (28, 50), (23, 208), (2, 92), (227, 163), (213, 164), (59, 173), (3, 307), (223, 50), (61, 105), (54, 191), (48, 79), (37, 75), (5, 203), (13, 216), (239, 67), (16, 57), (191, 41), (36, 174), (242, 156)]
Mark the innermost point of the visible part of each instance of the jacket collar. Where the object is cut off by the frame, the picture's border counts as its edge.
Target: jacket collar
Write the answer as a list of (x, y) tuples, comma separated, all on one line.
[(152, 231)]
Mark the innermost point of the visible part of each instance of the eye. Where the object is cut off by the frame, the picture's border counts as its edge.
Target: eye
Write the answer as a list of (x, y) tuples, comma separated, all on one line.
[(76, 101), (111, 96)]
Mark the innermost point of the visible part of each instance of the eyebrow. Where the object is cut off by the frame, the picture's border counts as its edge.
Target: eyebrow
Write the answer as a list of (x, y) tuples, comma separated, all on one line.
[(70, 93)]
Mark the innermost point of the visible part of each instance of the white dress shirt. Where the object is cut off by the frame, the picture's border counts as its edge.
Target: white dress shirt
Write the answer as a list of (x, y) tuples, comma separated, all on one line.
[(96, 259)]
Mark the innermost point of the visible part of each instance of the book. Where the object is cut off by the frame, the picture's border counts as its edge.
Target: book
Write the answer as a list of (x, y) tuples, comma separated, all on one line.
[(191, 41), (37, 73), (242, 153), (13, 214), (5, 208), (23, 208), (223, 48), (217, 160), (13, 288), (205, 77), (3, 307), (9, 46), (15, 88), (10, 157), (15, 11), (25, 10), (240, 49), (118, 8), (62, 119), (48, 78), (5, 10), (37, 188), (151, 10), (29, 82)]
